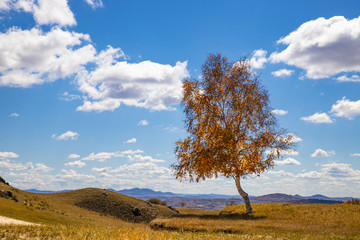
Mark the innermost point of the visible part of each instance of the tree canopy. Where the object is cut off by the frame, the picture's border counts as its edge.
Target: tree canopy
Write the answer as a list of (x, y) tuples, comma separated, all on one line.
[(232, 130)]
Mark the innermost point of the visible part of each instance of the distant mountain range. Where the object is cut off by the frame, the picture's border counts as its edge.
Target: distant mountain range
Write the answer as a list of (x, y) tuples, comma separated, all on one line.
[(146, 193), (275, 197)]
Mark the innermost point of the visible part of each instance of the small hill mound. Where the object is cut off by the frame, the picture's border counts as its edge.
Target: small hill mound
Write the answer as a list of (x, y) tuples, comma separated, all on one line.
[(90, 206), (120, 206)]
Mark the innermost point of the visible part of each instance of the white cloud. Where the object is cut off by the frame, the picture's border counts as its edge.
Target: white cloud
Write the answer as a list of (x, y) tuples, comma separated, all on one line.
[(355, 154), (140, 158), (95, 3), (258, 59), (12, 165), (102, 156), (171, 129), (311, 174), (143, 169), (322, 153), (318, 118), (8, 155), (323, 47), (66, 136), (73, 156), (130, 152), (346, 108), (69, 97), (17, 5), (290, 152), (48, 12), (104, 169), (295, 138), (77, 163), (353, 78), (14, 115), (143, 123), (337, 171), (279, 112), (29, 57), (283, 73), (287, 161), (71, 174), (131, 140), (40, 167), (146, 84)]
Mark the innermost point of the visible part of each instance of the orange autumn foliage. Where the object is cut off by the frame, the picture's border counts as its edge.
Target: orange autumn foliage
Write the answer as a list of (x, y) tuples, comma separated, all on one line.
[(232, 130)]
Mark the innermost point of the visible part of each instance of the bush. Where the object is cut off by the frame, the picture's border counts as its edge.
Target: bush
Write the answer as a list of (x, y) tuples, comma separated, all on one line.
[(157, 201), (353, 201)]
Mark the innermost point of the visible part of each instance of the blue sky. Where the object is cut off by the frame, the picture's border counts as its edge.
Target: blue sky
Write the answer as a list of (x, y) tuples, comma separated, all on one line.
[(90, 90)]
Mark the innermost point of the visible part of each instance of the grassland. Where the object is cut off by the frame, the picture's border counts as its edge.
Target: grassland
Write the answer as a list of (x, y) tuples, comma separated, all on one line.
[(100, 214)]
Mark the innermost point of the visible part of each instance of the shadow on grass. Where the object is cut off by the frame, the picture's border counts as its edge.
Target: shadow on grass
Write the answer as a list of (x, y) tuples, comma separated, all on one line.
[(242, 216)]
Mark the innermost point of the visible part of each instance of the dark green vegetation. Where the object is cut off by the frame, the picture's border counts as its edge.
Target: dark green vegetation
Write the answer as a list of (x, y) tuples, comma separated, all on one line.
[(156, 201)]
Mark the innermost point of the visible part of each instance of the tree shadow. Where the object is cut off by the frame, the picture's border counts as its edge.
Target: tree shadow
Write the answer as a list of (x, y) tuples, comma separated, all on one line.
[(235, 216)]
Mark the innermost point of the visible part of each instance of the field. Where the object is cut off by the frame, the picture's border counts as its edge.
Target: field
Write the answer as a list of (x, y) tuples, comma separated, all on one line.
[(98, 214)]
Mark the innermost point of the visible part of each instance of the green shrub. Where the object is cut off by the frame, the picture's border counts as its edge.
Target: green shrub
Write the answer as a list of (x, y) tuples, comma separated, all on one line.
[(157, 201)]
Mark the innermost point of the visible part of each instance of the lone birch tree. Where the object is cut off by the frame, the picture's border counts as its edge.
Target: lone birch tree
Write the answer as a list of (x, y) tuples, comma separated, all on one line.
[(232, 130)]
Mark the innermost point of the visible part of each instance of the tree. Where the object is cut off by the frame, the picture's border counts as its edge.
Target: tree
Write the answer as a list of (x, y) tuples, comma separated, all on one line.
[(232, 130)]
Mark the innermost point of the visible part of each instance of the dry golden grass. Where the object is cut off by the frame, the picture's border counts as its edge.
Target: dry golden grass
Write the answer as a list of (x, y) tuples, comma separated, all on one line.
[(138, 231), (274, 220)]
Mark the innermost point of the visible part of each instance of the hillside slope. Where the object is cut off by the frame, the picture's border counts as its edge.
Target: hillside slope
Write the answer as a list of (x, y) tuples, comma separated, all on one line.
[(90, 206)]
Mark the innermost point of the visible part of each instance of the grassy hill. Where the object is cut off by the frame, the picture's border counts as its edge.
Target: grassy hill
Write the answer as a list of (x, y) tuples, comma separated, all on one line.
[(85, 206), (101, 214)]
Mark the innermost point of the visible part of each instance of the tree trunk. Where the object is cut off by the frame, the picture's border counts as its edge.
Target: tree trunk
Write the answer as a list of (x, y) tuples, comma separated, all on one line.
[(244, 195)]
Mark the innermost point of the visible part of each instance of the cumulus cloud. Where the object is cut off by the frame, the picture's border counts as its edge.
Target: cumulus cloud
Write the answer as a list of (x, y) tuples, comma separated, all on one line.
[(311, 174), (102, 156), (73, 156), (42, 168), (29, 57), (322, 153), (322, 47), (48, 12), (77, 163), (8, 155), (14, 115), (143, 169), (95, 3), (294, 138), (258, 59), (12, 165), (29, 166), (131, 140), (344, 78), (143, 123), (318, 118), (45, 12), (279, 112), (346, 108), (17, 5), (66, 136), (146, 84), (140, 158), (104, 169), (289, 152), (69, 97), (355, 154), (287, 161), (282, 73)]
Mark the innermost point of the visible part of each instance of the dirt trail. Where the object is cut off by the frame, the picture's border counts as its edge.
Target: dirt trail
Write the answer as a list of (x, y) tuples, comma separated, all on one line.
[(6, 220)]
